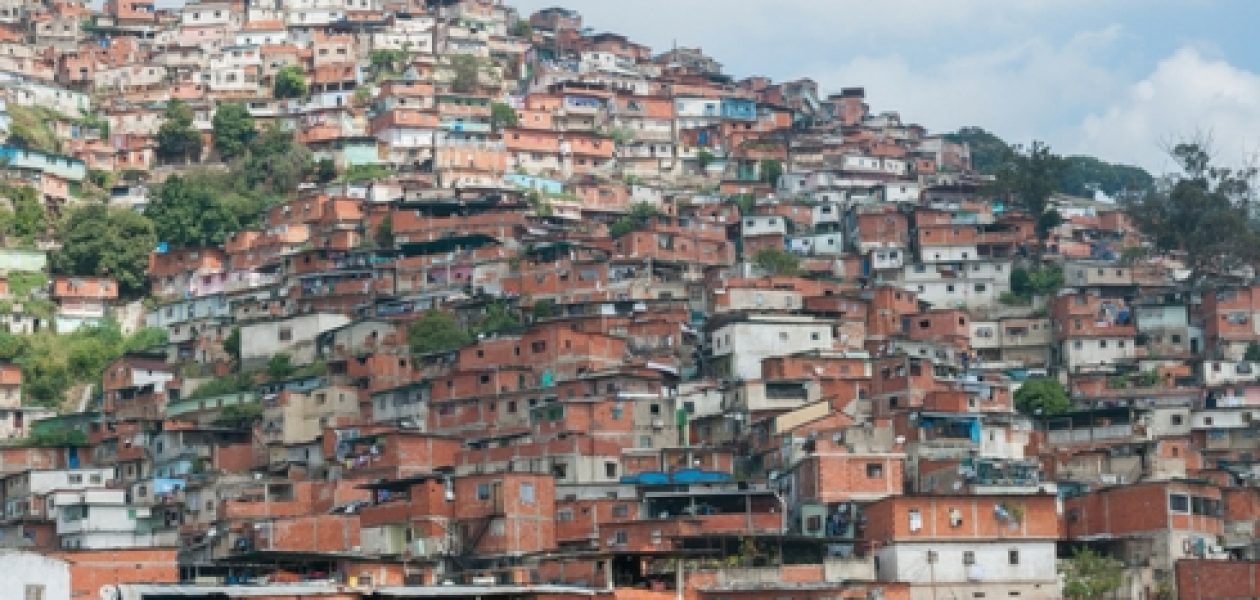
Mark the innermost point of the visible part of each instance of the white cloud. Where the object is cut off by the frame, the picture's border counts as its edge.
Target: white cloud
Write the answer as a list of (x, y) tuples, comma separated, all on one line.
[(1187, 94), (1020, 90)]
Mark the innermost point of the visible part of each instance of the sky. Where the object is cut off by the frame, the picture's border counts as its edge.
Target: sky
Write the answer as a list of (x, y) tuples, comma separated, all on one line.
[(1118, 79)]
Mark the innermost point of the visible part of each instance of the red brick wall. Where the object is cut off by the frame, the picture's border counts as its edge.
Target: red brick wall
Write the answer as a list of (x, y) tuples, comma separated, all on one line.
[(92, 569), (1218, 580)]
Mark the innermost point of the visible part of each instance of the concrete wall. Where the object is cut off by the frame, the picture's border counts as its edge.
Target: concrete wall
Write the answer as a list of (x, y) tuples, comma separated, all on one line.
[(25, 569)]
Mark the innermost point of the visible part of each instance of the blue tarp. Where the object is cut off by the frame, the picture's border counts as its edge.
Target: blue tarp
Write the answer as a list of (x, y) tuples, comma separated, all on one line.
[(167, 486)]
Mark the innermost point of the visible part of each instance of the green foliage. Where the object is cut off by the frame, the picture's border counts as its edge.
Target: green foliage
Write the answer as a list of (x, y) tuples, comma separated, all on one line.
[(102, 241), (1089, 575), (465, 72), (233, 129), (1042, 396), (1081, 175), (704, 158), (1025, 284), (385, 233), (543, 309), (280, 366), (988, 152), (498, 317), (277, 163), (746, 203), (56, 438), (177, 138), (325, 170), (148, 338), (26, 219), (523, 29), (771, 171), (290, 82), (232, 344), (1205, 212), (387, 63), (361, 173), (773, 261), (222, 386), (640, 215), (30, 127), (239, 416), (436, 331), (51, 363), (1030, 176), (502, 116), (191, 211)]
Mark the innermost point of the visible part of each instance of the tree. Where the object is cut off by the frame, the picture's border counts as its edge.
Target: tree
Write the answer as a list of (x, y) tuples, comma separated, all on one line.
[(1204, 212), (98, 240), (1089, 575), (325, 170), (277, 163), (232, 344), (523, 29), (773, 261), (239, 416), (1042, 396), (988, 152), (177, 138), (1025, 284), (280, 366), (704, 158), (385, 233), (387, 62), (498, 318), (233, 129), (543, 309), (188, 212), (27, 220), (465, 73), (290, 82), (1081, 175), (1030, 176), (146, 339), (502, 115), (771, 172), (640, 215), (436, 331)]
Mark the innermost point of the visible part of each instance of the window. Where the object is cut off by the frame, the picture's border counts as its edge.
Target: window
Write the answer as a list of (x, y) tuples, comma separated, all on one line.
[(874, 470), (564, 514), (286, 334), (1102, 343), (76, 479), (620, 537), (620, 511), (1179, 503), (1175, 419), (527, 493), (34, 591), (969, 557), (1012, 557), (483, 491)]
